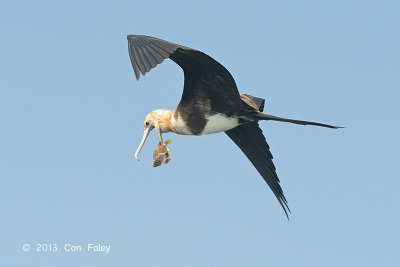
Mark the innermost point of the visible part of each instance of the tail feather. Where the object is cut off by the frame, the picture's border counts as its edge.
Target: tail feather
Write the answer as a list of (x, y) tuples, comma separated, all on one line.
[(263, 116), (258, 104), (255, 102)]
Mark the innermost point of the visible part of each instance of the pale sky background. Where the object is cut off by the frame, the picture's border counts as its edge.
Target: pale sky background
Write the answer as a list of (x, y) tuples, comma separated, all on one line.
[(71, 114)]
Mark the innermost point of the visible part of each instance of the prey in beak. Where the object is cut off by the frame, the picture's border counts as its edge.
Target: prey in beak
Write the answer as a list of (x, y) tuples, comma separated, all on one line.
[(160, 120), (161, 154)]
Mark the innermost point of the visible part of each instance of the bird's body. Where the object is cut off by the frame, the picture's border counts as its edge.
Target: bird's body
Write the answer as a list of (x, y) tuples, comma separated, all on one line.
[(172, 121), (219, 123), (210, 103)]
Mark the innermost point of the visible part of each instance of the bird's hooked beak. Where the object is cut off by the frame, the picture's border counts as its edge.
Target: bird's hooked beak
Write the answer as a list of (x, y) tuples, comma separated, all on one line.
[(145, 134)]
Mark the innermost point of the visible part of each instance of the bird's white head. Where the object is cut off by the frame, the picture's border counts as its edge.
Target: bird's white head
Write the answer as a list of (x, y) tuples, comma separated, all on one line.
[(159, 119)]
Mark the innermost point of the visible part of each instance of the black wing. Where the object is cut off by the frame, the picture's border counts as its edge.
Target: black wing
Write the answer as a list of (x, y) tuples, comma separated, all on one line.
[(147, 52), (250, 139), (207, 82)]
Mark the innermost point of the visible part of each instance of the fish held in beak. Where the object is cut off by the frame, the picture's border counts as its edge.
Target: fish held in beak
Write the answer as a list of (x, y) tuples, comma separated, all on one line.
[(161, 154), (157, 119)]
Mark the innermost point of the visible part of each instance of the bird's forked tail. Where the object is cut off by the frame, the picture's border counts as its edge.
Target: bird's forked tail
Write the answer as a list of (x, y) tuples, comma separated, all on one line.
[(262, 116)]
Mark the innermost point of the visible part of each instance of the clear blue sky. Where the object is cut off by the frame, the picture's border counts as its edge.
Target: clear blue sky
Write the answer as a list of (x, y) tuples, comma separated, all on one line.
[(72, 116)]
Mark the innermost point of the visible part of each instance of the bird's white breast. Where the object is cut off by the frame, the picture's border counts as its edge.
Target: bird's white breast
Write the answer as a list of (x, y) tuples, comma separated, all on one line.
[(180, 125), (219, 123)]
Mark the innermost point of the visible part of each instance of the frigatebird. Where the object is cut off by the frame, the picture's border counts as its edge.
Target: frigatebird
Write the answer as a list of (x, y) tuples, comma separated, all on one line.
[(210, 103)]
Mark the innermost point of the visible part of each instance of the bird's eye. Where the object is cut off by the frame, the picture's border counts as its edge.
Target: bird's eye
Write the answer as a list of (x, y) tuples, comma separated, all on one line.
[(147, 123)]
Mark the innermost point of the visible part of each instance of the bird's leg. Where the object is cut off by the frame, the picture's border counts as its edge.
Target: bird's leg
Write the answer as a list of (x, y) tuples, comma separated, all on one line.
[(159, 133)]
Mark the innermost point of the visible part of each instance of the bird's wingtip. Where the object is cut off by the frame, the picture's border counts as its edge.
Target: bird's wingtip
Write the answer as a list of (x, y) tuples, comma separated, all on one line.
[(287, 214)]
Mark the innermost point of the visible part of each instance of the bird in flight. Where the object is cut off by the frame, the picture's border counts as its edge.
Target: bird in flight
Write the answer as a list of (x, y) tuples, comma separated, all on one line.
[(210, 103)]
